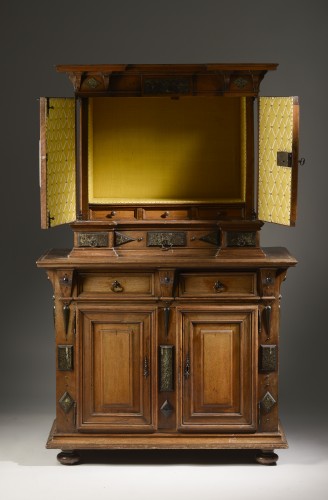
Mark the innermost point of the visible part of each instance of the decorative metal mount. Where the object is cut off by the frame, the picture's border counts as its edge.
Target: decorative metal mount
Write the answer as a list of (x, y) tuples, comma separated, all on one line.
[(267, 402), (166, 364), (212, 238), (241, 239), (66, 402), (240, 82), (122, 239), (93, 240), (166, 408), (146, 367), (268, 358), (65, 357), (187, 367), (160, 86), (166, 239)]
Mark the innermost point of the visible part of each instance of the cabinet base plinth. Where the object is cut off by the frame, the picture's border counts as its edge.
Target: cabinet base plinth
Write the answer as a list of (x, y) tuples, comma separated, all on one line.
[(263, 443)]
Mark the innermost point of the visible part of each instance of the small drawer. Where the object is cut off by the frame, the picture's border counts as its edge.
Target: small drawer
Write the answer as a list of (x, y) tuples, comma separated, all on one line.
[(112, 213), (116, 284), (166, 213), (223, 213), (217, 285)]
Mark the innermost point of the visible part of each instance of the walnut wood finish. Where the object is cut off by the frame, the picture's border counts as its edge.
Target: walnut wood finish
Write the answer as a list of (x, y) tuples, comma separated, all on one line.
[(115, 387), (167, 310)]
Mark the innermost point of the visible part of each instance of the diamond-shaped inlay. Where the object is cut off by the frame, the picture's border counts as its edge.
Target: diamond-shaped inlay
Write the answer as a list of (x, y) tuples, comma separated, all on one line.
[(66, 402), (167, 408), (268, 402)]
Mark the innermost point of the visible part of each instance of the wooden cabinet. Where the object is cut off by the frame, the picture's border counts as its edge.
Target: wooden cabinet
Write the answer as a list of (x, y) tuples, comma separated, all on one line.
[(167, 307)]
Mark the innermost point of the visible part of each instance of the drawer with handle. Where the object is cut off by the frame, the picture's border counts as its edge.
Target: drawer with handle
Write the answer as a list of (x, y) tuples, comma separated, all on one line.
[(217, 284), (116, 284)]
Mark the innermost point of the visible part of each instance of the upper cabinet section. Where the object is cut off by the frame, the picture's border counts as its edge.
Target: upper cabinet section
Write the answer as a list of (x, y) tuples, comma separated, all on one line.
[(167, 79)]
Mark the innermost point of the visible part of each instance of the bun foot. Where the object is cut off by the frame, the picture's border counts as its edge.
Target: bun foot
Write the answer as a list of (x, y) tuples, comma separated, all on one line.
[(267, 457), (68, 458)]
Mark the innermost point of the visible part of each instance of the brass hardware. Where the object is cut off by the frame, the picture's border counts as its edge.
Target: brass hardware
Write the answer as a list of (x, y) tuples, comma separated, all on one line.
[(117, 287), (268, 358), (219, 287), (269, 280), (187, 367), (65, 357), (166, 368), (146, 367), (165, 214), (284, 159), (301, 161), (111, 214)]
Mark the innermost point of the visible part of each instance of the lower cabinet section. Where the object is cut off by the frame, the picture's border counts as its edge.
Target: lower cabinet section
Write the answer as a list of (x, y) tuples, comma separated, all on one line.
[(219, 371), (188, 361)]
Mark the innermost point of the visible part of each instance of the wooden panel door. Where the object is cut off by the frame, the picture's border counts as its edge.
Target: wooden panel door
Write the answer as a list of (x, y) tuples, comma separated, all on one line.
[(116, 370), (278, 159), (219, 369), (57, 161)]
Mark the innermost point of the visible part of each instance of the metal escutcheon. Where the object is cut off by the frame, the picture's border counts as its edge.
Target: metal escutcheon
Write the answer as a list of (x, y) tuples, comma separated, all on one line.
[(117, 287), (219, 287)]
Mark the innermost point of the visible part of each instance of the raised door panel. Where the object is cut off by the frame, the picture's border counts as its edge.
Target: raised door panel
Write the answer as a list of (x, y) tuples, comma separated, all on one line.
[(116, 389), (219, 370)]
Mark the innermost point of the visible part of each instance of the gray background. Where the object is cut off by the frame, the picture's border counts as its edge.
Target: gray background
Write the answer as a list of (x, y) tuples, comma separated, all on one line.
[(35, 36)]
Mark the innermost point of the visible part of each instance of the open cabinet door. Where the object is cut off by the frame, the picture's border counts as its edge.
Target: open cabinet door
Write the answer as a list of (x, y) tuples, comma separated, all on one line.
[(278, 159), (57, 161)]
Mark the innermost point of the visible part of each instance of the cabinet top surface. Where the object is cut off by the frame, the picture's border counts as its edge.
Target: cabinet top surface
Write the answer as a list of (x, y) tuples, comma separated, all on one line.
[(273, 257), (183, 68)]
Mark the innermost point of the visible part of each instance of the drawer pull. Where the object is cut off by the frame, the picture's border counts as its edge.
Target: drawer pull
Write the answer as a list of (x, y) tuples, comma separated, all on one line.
[(117, 287), (219, 287)]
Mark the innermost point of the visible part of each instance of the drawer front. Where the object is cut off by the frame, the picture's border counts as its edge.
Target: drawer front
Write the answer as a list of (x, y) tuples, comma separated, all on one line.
[(113, 213), (116, 284), (166, 213), (217, 284), (220, 213)]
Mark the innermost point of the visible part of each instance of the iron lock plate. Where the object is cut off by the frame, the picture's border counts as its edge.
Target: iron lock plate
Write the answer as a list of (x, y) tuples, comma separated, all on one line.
[(284, 159)]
